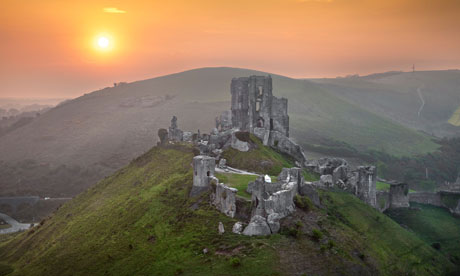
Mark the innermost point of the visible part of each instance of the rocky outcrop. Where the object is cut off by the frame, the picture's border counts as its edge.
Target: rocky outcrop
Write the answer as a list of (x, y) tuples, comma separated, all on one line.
[(258, 226), (307, 189), (175, 134)]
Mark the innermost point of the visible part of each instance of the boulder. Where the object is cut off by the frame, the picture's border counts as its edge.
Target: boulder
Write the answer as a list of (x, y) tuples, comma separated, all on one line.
[(221, 228), (238, 144), (257, 227), (237, 227), (273, 221)]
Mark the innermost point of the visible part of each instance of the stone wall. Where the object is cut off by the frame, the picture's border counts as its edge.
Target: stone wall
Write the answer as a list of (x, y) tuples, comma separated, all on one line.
[(426, 198), (399, 195)]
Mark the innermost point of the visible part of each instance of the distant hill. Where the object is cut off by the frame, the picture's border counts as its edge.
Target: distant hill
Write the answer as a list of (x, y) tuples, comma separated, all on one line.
[(139, 221), (105, 129), (425, 100)]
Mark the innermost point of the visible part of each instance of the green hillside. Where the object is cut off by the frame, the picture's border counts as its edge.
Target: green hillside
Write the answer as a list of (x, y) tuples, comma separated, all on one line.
[(434, 225), (140, 221)]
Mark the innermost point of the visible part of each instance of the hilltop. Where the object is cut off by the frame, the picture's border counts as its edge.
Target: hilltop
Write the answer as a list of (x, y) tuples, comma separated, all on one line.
[(141, 221), (94, 135)]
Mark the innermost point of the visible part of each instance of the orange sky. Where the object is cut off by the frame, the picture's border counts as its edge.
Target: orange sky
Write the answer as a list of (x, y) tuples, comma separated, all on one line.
[(47, 46)]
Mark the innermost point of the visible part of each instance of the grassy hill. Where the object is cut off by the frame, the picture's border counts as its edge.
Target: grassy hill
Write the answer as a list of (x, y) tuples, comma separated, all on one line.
[(140, 221), (105, 129), (424, 100)]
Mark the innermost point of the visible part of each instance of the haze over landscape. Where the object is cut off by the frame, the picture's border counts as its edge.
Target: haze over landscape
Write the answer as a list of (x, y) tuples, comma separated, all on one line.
[(296, 137)]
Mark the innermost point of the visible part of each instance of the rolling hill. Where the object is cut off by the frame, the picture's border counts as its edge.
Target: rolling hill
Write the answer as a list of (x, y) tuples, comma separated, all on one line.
[(102, 131)]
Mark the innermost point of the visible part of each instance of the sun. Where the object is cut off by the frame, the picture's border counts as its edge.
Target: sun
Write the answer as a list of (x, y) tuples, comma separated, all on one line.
[(103, 42)]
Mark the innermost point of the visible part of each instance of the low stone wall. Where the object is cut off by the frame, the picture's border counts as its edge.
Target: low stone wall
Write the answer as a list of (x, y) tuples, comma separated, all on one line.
[(426, 198)]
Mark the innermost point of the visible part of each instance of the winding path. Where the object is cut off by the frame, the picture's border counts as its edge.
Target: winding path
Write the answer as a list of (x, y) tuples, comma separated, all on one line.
[(15, 225), (233, 170), (419, 92)]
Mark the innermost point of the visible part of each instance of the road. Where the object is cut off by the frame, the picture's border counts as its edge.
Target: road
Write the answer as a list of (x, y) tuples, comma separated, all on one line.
[(15, 225)]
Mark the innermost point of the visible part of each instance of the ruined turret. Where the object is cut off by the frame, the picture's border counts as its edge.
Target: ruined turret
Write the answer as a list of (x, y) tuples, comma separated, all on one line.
[(203, 173), (366, 184)]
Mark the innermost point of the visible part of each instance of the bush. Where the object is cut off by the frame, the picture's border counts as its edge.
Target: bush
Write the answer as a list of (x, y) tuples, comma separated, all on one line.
[(235, 262), (330, 244), (317, 235), (242, 136), (303, 202)]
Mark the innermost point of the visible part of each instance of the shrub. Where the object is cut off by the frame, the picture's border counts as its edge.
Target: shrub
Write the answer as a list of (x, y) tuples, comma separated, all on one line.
[(330, 244), (235, 262), (317, 235), (303, 202)]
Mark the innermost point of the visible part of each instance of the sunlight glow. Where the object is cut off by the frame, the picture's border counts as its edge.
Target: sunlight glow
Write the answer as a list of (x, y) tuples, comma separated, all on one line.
[(103, 42)]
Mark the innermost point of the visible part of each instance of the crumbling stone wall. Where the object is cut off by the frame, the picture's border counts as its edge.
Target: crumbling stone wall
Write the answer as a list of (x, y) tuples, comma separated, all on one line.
[(225, 199), (399, 195)]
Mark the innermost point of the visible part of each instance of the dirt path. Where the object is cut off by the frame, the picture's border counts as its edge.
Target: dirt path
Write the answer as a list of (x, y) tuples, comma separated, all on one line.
[(15, 225)]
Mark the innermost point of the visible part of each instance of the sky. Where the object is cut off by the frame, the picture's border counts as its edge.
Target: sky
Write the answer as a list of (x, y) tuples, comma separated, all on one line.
[(48, 48)]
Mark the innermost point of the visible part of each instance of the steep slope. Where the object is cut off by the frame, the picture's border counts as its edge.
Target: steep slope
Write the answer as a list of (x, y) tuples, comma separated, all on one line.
[(140, 221), (105, 129)]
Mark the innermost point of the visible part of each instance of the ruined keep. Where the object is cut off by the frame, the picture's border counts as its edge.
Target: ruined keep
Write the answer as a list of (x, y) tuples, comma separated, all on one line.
[(254, 106), (203, 173)]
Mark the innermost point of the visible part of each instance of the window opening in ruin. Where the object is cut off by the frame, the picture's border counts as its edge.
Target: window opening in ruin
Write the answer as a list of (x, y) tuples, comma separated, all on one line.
[(260, 122), (271, 124), (209, 173), (196, 173), (260, 90)]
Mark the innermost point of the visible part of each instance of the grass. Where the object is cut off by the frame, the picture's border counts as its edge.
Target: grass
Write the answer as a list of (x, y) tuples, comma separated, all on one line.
[(455, 119), (238, 181), (139, 222), (396, 250), (261, 159), (433, 225)]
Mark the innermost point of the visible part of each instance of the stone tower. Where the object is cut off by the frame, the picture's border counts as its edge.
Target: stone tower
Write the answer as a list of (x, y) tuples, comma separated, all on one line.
[(254, 106), (366, 184), (203, 172)]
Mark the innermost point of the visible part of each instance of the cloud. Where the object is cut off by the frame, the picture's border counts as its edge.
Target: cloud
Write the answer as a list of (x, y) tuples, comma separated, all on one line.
[(113, 10)]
